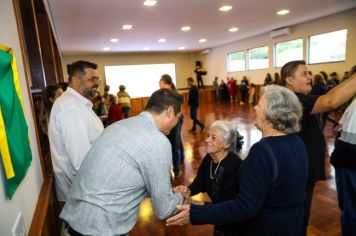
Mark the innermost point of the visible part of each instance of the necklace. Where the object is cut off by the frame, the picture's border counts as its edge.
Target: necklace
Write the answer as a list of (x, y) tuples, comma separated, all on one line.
[(211, 169)]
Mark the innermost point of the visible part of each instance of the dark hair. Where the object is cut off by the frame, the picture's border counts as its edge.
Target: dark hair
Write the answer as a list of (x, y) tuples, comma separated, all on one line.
[(161, 99), (318, 79), (46, 105), (167, 79), (289, 69), (63, 85), (98, 98), (324, 75), (190, 79), (122, 87), (78, 67)]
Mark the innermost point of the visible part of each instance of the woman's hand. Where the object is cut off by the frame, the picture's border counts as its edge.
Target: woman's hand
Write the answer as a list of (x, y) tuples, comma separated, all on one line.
[(181, 218)]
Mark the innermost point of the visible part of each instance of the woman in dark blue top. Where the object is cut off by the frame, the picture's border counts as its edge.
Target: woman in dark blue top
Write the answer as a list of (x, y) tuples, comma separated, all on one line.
[(272, 179)]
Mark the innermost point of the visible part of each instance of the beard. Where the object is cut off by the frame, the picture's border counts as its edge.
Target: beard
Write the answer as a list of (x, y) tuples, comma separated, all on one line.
[(90, 93)]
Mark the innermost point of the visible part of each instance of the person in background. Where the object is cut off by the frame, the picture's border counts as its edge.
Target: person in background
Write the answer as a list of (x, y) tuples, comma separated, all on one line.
[(106, 91), (252, 92), (224, 91), (272, 178), (115, 112), (49, 95), (244, 90), (175, 136), (64, 85), (216, 88), (199, 72), (277, 79), (131, 160), (232, 87), (99, 107), (216, 173), (124, 101), (73, 125), (295, 76), (344, 160), (193, 103)]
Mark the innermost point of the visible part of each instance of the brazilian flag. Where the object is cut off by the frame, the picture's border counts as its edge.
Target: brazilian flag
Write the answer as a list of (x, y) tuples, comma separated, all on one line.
[(15, 150)]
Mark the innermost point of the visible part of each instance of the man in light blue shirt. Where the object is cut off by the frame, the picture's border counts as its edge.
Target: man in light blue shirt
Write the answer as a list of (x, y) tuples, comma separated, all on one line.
[(131, 160)]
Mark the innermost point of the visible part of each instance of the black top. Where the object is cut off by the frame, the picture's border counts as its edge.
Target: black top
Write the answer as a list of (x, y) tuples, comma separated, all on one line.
[(193, 99), (223, 185), (270, 200), (313, 138)]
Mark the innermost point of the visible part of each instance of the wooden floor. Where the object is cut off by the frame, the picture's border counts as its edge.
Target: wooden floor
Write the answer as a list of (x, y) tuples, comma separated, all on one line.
[(325, 213)]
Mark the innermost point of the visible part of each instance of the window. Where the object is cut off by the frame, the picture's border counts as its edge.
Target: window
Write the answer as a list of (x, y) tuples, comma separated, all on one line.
[(327, 47), (236, 61), (258, 58), (288, 51)]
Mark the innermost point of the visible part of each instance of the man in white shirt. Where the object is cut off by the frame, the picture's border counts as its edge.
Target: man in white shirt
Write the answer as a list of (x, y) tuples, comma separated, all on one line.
[(73, 125)]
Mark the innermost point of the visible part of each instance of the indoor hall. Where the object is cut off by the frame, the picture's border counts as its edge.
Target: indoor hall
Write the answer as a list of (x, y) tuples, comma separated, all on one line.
[(45, 38)]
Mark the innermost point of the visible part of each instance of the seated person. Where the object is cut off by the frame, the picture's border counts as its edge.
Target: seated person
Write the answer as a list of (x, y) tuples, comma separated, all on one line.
[(216, 174), (272, 178)]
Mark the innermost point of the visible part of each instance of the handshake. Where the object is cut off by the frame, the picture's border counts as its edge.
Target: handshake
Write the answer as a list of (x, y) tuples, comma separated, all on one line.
[(182, 217)]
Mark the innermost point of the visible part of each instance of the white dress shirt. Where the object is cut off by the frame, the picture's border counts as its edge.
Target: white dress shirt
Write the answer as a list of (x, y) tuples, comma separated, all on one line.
[(73, 128)]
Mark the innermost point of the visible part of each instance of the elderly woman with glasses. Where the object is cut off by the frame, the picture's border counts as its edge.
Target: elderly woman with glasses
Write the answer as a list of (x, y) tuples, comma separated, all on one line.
[(216, 174), (272, 179)]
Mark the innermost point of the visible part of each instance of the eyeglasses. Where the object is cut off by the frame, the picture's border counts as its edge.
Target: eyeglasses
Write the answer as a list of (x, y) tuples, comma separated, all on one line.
[(94, 79)]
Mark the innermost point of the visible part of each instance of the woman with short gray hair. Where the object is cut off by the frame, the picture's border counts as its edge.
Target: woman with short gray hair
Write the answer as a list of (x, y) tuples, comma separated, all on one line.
[(216, 174), (272, 179)]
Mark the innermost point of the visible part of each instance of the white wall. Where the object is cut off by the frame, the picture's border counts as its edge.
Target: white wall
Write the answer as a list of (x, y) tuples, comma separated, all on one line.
[(185, 63), (25, 197), (216, 61)]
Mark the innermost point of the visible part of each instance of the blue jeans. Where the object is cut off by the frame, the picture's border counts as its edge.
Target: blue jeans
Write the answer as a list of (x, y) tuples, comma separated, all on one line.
[(346, 191)]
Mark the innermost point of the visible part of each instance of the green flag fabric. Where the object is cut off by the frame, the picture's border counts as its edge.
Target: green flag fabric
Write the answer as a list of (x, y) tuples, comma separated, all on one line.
[(15, 150)]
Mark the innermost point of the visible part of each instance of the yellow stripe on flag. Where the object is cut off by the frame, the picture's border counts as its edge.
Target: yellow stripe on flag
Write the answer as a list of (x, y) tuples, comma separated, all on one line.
[(4, 149)]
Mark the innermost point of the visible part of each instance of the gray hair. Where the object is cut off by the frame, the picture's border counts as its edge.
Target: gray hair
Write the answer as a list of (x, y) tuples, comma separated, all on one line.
[(283, 109), (229, 132)]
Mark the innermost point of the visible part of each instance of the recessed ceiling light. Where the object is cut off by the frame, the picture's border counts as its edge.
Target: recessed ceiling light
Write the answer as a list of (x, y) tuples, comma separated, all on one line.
[(181, 48), (225, 8), (114, 40), (282, 12), (185, 28), (150, 3), (146, 48), (106, 49), (162, 40), (127, 27), (202, 40), (233, 29)]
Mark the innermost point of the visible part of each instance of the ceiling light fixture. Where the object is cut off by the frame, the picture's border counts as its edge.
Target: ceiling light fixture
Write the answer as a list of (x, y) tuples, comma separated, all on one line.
[(202, 40), (106, 49), (282, 12), (162, 40), (185, 28), (150, 3), (234, 29), (114, 40), (127, 27), (225, 8), (181, 48), (146, 48)]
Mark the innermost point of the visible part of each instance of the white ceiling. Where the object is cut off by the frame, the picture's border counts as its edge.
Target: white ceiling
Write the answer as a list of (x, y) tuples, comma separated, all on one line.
[(86, 26)]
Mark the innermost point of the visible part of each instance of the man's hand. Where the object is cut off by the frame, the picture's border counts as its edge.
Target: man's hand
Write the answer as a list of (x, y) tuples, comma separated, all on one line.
[(181, 218), (184, 190)]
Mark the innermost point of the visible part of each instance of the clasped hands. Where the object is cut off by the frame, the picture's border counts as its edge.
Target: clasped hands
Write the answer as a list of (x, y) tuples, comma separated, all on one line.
[(182, 217)]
